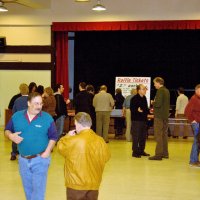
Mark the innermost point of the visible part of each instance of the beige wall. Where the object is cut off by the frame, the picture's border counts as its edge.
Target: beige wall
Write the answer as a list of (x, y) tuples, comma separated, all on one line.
[(11, 79)]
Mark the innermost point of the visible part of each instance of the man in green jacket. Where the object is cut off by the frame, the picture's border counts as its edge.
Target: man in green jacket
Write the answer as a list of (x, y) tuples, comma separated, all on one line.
[(161, 105)]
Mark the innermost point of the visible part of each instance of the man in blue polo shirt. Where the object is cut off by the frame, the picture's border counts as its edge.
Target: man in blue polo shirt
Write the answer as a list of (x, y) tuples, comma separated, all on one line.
[(35, 134)]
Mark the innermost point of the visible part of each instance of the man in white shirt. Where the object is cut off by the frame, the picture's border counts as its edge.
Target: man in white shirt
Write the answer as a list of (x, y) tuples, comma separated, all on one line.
[(181, 103)]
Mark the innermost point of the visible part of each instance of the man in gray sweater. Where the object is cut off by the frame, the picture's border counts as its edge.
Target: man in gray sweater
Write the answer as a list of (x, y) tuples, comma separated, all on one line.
[(103, 103)]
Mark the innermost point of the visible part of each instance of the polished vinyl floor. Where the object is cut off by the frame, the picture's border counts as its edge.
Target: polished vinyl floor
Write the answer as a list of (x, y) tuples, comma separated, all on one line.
[(125, 178)]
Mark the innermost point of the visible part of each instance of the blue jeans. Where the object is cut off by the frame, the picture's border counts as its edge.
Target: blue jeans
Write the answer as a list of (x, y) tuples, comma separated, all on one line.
[(34, 176), (194, 155), (60, 125)]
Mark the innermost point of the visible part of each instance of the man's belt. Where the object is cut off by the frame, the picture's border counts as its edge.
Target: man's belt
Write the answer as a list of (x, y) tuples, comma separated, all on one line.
[(32, 156)]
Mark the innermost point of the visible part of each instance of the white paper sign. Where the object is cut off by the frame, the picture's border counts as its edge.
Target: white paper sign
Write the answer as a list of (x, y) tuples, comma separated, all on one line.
[(128, 83)]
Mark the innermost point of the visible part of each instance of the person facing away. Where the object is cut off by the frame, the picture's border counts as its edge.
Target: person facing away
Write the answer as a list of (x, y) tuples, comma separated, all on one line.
[(91, 92), (192, 112), (61, 108), (161, 106), (127, 114), (32, 87), (181, 102), (119, 121), (82, 99), (40, 89), (85, 156), (20, 103), (49, 101), (35, 134), (103, 103), (139, 111)]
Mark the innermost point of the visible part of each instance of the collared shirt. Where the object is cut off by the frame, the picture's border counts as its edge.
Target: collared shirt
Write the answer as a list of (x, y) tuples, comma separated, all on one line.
[(181, 103), (36, 134), (126, 103)]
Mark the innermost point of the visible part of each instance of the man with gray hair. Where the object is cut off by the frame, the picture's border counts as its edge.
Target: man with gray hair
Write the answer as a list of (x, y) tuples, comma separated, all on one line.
[(85, 156), (103, 103), (161, 105)]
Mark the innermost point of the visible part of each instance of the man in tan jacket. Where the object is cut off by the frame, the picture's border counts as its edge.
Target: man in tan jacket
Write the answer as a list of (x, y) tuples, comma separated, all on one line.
[(85, 156), (103, 103)]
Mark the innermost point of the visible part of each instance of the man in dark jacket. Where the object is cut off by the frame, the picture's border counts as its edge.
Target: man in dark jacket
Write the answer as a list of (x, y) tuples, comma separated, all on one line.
[(161, 106), (82, 100), (61, 109), (139, 112)]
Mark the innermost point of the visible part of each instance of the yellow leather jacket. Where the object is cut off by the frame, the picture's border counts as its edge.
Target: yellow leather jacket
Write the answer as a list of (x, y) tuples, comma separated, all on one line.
[(85, 156)]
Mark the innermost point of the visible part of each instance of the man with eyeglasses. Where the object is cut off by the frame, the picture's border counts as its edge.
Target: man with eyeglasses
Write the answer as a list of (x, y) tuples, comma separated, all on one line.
[(35, 134)]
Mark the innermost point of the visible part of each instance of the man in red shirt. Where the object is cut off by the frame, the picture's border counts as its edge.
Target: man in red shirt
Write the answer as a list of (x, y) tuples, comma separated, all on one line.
[(192, 112)]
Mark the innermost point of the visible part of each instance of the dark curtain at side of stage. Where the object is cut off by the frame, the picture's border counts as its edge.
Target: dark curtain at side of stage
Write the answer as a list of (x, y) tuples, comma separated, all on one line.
[(61, 40), (101, 56)]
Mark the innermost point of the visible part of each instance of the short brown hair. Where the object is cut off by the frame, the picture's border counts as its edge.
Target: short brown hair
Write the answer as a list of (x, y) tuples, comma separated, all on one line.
[(23, 89), (159, 80), (83, 118), (118, 91), (197, 87), (32, 95), (49, 91)]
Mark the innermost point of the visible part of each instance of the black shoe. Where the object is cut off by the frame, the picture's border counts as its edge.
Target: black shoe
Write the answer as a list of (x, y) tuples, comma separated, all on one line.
[(155, 158), (145, 154), (185, 137), (166, 157), (13, 157), (175, 137), (136, 155)]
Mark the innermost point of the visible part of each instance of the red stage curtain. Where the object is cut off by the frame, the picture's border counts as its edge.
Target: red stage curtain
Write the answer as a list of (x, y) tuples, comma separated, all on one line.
[(126, 25), (62, 75), (62, 28)]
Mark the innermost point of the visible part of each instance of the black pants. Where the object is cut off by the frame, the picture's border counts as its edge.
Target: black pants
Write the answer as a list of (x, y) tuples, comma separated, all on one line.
[(139, 134)]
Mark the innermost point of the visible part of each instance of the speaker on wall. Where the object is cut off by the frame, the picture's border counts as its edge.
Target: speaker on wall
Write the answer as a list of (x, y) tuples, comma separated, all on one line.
[(2, 41)]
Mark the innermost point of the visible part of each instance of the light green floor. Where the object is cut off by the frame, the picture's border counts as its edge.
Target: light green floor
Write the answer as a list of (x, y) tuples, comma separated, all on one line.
[(125, 178)]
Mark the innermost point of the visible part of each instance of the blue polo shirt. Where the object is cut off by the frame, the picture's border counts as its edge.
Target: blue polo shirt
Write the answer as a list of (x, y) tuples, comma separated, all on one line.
[(36, 134)]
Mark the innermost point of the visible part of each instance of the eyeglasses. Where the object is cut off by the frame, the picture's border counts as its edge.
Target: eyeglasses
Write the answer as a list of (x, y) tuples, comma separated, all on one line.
[(37, 104)]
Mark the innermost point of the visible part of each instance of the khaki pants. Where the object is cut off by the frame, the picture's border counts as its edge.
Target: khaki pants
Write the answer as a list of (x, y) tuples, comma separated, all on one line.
[(161, 137), (128, 125), (82, 194), (177, 127), (102, 123)]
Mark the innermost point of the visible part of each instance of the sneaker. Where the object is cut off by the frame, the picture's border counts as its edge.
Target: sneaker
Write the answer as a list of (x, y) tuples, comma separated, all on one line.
[(195, 164), (155, 158)]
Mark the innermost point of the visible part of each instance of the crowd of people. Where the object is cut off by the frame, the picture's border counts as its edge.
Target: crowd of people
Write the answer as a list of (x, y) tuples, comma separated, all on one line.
[(37, 125)]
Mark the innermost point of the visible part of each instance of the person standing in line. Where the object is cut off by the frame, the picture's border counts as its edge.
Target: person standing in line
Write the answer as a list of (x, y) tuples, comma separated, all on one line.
[(119, 121), (35, 134), (20, 103), (103, 103), (82, 99), (61, 108), (91, 92), (49, 102), (181, 103), (85, 156), (161, 106), (192, 112), (139, 112), (127, 114)]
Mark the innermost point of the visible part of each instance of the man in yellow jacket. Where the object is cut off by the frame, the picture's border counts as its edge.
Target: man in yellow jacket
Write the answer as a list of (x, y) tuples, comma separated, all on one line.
[(85, 156)]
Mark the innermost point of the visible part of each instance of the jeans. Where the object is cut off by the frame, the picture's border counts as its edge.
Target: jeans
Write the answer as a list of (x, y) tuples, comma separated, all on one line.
[(60, 125), (194, 155), (34, 175)]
